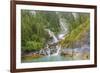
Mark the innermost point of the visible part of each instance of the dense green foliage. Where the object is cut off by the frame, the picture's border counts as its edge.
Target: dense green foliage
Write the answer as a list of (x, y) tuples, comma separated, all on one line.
[(33, 35), (78, 30), (33, 25)]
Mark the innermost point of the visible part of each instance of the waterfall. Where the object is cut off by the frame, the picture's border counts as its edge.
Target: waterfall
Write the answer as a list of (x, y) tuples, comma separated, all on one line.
[(62, 25), (48, 50), (58, 51), (42, 51), (55, 40), (61, 35), (75, 15), (52, 35), (45, 51)]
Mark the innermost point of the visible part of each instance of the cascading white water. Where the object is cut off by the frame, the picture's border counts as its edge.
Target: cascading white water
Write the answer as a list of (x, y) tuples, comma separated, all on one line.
[(75, 15), (48, 50), (52, 35), (58, 51), (45, 51), (62, 25), (55, 39)]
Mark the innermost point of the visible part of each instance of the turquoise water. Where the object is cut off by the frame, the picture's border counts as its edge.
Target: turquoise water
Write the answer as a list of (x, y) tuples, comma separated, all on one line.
[(49, 59), (52, 58)]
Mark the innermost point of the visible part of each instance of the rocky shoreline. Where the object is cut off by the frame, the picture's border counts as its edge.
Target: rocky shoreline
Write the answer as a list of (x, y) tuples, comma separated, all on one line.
[(75, 54)]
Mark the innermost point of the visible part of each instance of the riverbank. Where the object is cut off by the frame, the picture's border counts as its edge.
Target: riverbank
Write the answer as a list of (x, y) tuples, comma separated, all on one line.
[(65, 55)]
